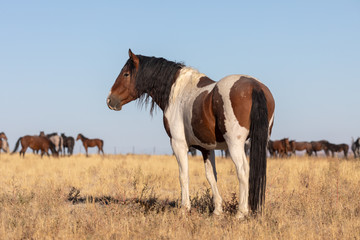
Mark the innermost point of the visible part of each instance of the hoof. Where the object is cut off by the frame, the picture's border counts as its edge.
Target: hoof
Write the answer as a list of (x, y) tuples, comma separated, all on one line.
[(242, 216), (218, 212)]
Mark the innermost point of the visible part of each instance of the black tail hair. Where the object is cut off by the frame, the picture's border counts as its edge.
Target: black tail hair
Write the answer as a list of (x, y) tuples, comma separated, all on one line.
[(259, 128), (16, 145), (53, 148)]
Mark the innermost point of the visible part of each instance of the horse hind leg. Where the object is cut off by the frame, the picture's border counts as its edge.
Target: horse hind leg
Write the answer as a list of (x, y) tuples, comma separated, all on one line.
[(238, 156), (22, 151), (211, 176)]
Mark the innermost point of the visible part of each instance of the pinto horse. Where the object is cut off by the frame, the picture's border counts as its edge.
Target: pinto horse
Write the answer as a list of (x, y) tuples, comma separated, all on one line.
[(355, 147), (207, 115), (4, 145), (91, 143), (36, 143)]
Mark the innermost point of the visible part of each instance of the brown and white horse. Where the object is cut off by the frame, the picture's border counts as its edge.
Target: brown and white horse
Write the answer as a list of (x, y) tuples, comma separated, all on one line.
[(4, 145), (207, 115)]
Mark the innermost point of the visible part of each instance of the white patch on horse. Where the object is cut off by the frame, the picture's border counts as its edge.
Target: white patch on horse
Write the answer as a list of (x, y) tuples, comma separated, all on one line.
[(232, 125), (179, 112)]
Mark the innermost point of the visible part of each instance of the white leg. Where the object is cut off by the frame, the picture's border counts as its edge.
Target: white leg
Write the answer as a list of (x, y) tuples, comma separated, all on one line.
[(238, 156), (211, 175), (180, 149)]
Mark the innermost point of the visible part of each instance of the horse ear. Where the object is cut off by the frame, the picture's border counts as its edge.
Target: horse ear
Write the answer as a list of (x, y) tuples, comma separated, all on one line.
[(134, 59)]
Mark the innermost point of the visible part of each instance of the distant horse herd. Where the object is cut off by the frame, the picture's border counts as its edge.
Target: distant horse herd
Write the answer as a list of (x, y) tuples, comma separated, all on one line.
[(286, 147), (57, 144)]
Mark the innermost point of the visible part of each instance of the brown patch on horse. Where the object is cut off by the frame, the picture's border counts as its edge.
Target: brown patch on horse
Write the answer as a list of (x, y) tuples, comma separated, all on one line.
[(204, 81), (203, 121), (241, 99), (205, 124), (218, 109)]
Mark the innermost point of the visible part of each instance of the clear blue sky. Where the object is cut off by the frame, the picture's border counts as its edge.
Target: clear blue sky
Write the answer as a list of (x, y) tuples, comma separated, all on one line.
[(58, 61)]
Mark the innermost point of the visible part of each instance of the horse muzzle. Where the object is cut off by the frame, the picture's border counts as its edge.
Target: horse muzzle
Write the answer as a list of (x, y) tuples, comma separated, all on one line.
[(114, 103)]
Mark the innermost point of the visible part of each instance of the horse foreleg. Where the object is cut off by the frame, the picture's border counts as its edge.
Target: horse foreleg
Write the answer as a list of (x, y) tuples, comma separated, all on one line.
[(211, 176), (180, 149)]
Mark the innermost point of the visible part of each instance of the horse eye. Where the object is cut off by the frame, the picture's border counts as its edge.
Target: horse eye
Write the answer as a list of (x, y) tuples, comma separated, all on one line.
[(126, 74)]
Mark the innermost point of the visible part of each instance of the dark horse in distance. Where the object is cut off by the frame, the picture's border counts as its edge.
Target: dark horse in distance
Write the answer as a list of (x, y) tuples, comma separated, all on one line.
[(207, 115), (96, 142), (36, 143), (68, 142)]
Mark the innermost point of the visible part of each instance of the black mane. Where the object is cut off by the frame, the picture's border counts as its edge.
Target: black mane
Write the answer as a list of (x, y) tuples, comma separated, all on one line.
[(154, 79), (82, 136), (51, 134)]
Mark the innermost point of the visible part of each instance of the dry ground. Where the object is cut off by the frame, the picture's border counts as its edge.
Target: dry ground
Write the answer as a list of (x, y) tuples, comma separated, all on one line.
[(137, 197)]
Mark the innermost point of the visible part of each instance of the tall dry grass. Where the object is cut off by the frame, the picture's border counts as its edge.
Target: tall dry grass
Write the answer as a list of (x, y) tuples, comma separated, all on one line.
[(137, 197)]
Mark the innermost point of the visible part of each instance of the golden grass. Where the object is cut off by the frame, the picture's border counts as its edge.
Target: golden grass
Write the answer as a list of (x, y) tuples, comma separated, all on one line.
[(137, 197)]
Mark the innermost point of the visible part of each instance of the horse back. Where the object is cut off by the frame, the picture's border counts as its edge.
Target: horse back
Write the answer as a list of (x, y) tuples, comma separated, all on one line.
[(35, 142), (95, 142)]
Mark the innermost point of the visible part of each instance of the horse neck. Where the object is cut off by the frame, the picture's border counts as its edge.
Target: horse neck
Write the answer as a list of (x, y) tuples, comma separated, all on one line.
[(83, 138)]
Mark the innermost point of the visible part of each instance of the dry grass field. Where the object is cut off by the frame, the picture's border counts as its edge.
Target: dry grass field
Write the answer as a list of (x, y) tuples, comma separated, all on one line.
[(137, 197)]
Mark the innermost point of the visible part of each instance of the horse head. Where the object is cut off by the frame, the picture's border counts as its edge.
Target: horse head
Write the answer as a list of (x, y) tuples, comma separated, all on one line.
[(2, 135), (79, 136), (123, 90)]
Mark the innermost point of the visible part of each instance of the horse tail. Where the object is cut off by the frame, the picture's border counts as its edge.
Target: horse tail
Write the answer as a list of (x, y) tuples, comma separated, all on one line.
[(52, 146), (259, 130), (16, 145)]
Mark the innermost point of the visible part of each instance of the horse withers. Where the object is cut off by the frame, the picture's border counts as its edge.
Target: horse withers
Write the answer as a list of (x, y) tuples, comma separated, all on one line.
[(207, 115)]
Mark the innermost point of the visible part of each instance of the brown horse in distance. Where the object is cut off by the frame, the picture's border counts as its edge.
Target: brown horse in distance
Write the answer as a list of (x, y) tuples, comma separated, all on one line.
[(91, 143), (279, 147), (320, 145), (301, 146), (36, 143)]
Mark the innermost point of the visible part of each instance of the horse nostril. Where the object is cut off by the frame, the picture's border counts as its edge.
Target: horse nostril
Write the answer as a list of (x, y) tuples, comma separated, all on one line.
[(113, 103)]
